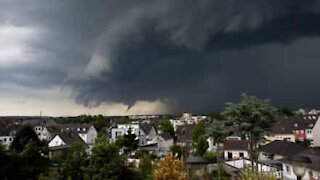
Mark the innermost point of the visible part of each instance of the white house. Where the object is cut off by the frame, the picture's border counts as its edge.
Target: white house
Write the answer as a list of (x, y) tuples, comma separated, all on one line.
[(87, 132), (312, 169), (276, 150), (165, 142), (122, 129), (6, 137), (236, 149), (63, 141)]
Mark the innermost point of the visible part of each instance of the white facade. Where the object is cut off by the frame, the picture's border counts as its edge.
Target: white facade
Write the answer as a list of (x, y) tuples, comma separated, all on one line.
[(6, 141), (235, 154), (122, 129), (88, 136), (56, 141), (288, 173), (164, 146)]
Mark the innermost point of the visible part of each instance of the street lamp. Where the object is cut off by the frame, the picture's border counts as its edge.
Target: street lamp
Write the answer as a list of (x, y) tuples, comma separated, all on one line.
[(299, 165)]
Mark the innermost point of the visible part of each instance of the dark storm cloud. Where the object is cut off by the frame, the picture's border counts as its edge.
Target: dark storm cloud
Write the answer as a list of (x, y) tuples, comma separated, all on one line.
[(194, 55)]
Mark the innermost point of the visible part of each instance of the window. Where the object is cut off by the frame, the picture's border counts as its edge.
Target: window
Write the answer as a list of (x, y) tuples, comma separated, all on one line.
[(288, 169), (241, 155), (229, 155), (5, 139), (301, 131)]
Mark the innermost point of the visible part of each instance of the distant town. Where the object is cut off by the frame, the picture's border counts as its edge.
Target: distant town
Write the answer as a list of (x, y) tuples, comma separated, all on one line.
[(133, 144)]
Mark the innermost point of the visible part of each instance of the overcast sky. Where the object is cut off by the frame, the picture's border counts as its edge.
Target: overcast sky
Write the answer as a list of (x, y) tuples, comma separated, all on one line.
[(156, 56)]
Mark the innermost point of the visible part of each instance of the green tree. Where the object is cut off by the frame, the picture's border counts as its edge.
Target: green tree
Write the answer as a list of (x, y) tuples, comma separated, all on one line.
[(198, 131), (105, 161), (253, 116), (73, 162), (166, 127), (22, 138), (199, 137), (146, 167), (176, 150), (284, 111), (201, 146), (130, 142)]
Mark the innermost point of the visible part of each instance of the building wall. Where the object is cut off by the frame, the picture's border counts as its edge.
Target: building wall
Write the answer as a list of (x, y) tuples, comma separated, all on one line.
[(164, 146), (122, 129), (56, 141), (299, 134), (6, 141), (316, 134), (236, 154), (288, 173), (280, 137)]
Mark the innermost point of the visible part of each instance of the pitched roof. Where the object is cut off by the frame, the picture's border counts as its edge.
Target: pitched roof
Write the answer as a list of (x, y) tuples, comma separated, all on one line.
[(147, 127), (236, 145), (285, 125), (4, 131), (166, 136), (282, 148), (70, 138), (313, 154), (82, 128)]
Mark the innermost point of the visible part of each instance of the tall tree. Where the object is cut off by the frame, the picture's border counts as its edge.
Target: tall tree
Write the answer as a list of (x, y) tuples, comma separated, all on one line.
[(23, 137), (169, 168), (201, 146), (130, 141), (252, 116), (105, 161), (199, 137), (166, 127)]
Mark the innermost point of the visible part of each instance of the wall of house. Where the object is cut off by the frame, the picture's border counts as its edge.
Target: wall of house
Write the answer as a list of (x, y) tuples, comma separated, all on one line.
[(92, 135), (235, 154), (164, 146), (299, 134), (6, 141), (309, 134), (264, 157), (316, 134), (56, 141), (280, 137), (288, 173)]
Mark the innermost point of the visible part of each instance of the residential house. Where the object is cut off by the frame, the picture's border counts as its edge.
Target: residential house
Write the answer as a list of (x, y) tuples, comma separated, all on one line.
[(236, 149), (291, 128), (86, 132), (62, 141), (150, 131), (161, 146), (276, 150), (165, 142), (123, 129), (6, 137), (312, 169)]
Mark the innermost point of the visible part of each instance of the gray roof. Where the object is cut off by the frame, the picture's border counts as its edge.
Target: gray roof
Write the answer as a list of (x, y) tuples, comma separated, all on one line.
[(4, 131), (286, 125), (196, 160), (282, 148), (70, 138), (147, 127), (313, 154), (236, 145), (80, 128), (166, 136)]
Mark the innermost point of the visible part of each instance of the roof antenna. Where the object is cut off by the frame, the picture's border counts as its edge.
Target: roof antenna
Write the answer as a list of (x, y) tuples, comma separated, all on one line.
[(40, 113)]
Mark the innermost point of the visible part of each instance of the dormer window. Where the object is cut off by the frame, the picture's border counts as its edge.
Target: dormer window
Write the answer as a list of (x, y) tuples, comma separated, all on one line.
[(295, 125), (78, 129)]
